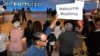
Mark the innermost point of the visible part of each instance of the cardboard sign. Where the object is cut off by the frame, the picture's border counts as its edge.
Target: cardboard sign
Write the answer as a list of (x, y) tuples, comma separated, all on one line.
[(71, 11)]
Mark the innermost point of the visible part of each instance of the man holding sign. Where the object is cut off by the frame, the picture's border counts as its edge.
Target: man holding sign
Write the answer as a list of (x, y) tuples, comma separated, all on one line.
[(71, 11)]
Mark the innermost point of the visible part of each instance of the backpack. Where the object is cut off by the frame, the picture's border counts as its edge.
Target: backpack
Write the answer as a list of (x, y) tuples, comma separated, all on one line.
[(51, 38)]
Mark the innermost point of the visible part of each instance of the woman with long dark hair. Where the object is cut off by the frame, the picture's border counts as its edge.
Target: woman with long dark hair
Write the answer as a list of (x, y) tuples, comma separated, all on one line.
[(28, 32)]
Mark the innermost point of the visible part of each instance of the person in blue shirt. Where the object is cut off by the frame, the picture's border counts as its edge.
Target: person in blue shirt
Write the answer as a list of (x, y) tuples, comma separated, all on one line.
[(40, 41), (38, 47)]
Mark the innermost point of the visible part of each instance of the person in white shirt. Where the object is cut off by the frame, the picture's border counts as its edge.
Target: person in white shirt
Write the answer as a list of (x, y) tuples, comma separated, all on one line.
[(57, 29), (3, 47)]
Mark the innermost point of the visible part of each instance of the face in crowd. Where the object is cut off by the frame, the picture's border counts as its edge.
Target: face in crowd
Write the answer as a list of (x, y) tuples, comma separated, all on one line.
[(40, 39), (43, 40), (97, 25)]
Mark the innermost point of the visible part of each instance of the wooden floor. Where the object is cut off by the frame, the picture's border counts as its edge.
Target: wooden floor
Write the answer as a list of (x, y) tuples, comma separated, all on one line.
[(7, 26)]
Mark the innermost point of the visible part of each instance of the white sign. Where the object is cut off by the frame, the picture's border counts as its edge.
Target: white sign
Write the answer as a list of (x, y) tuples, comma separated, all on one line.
[(71, 11)]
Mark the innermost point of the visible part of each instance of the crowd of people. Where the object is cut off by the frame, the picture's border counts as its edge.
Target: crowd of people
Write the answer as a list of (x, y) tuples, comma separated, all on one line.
[(20, 15), (43, 40)]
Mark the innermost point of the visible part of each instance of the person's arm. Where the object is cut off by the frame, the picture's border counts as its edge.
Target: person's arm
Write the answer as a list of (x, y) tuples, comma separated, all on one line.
[(49, 29), (80, 23), (54, 22)]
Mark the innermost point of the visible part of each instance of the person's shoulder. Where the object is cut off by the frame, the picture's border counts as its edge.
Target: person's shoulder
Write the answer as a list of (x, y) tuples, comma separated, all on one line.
[(74, 32), (12, 30), (21, 30), (62, 33), (30, 49), (3, 33)]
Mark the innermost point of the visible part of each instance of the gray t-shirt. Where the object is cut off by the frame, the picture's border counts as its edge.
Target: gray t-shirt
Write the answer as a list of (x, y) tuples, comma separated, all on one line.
[(66, 41)]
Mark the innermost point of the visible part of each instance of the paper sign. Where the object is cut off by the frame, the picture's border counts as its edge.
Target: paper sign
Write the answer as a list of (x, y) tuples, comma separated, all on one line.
[(71, 11)]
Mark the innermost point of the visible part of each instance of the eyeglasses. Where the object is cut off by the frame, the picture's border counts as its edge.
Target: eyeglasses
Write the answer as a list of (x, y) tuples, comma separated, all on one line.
[(44, 40)]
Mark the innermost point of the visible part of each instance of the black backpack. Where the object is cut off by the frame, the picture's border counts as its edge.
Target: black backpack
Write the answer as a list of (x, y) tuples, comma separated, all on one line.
[(51, 38)]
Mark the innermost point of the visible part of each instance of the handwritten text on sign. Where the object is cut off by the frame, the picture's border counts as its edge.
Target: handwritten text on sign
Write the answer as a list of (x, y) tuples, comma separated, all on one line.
[(70, 11)]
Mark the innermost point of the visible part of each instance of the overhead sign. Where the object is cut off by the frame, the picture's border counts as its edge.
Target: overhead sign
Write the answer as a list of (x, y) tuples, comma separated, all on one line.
[(71, 11)]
